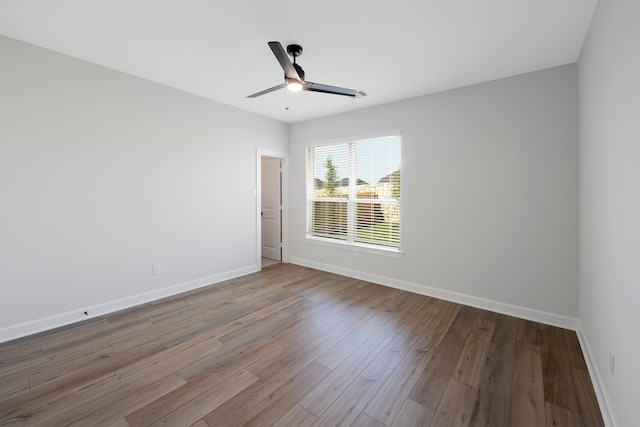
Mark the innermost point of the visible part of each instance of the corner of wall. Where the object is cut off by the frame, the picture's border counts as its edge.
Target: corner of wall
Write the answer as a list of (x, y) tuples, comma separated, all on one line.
[(606, 408)]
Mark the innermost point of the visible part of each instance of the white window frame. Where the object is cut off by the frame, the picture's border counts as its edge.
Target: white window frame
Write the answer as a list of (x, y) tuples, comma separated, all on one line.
[(349, 243)]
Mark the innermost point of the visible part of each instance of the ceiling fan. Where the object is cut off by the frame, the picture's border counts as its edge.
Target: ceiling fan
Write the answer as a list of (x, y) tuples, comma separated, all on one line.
[(294, 75)]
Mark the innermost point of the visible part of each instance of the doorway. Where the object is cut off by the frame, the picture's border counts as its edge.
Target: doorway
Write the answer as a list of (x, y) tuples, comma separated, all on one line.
[(271, 211), (271, 185)]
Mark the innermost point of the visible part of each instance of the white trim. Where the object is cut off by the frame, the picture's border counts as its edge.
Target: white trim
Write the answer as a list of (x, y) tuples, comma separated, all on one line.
[(70, 317), (351, 200), (355, 247), (499, 307), (606, 407), (285, 202)]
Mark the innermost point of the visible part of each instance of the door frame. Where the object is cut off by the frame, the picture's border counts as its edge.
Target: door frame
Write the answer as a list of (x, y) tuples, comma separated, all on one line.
[(284, 194)]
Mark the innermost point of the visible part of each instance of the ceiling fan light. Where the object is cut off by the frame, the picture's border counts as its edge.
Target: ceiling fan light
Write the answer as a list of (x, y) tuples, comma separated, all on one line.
[(294, 85)]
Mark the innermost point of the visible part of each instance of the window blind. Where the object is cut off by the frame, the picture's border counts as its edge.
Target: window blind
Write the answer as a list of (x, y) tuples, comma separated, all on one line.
[(353, 191)]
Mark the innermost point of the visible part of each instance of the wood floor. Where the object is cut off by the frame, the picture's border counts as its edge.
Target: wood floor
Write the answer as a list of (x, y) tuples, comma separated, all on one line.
[(292, 346)]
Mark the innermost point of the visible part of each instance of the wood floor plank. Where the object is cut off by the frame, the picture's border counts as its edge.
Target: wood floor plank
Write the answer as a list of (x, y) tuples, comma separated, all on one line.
[(70, 382), (345, 409), (307, 283), (48, 365), (147, 311), (281, 400), (468, 316), (456, 406), (527, 389), (415, 327), (259, 315), (13, 389), (124, 399), (589, 407), (133, 334), (296, 416), (192, 401), (528, 332), (503, 342), (332, 386), (294, 346), (18, 350), (255, 358), (386, 404), (558, 380), (74, 336), (288, 364), (576, 359), (173, 333), (335, 307), (358, 298), (162, 406), (413, 414), (392, 323), (473, 359), (345, 347), (250, 402), (273, 377), (264, 359), (365, 420), (433, 381), (493, 407), (170, 360), (331, 289), (93, 366), (266, 328), (35, 409), (561, 417), (362, 318), (494, 393), (229, 312), (123, 423)]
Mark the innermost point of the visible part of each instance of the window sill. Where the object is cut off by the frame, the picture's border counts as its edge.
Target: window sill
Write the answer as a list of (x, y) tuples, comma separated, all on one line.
[(355, 247)]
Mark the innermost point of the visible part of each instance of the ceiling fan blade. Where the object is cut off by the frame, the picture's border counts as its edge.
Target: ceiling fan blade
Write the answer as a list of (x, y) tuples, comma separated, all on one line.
[(271, 89), (282, 57), (335, 90)]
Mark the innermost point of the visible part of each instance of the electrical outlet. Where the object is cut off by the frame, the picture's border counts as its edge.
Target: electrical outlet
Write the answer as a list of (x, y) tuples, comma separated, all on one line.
[(156, 269), (612, 363)]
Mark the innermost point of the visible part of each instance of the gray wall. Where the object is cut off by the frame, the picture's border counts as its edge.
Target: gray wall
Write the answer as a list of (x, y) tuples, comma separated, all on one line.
[(609, 76), (489, 195), (102, 175)]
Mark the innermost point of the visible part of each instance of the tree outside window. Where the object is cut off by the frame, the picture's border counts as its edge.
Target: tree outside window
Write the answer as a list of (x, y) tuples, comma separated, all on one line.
[(331, 178)]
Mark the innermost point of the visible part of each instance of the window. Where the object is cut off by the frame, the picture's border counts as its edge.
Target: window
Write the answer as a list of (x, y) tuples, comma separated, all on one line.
[(353, 192)]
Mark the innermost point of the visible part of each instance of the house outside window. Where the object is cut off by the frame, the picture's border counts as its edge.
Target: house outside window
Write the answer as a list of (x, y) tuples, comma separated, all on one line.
[(353, 192)]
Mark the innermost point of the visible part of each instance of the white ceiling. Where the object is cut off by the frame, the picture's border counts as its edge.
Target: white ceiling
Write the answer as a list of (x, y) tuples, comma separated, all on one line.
[(391, 50)]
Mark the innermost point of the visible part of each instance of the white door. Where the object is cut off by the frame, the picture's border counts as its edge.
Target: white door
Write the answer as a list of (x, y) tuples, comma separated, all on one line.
[(271, 208)]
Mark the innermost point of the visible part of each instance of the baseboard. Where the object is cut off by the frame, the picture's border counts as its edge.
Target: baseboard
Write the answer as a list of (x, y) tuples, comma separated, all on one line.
[(499, 307), (65, 319), (606, 408)]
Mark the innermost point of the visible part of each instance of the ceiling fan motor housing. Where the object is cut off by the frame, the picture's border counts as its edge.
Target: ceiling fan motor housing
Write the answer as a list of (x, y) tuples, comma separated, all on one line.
[(294, 50)]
